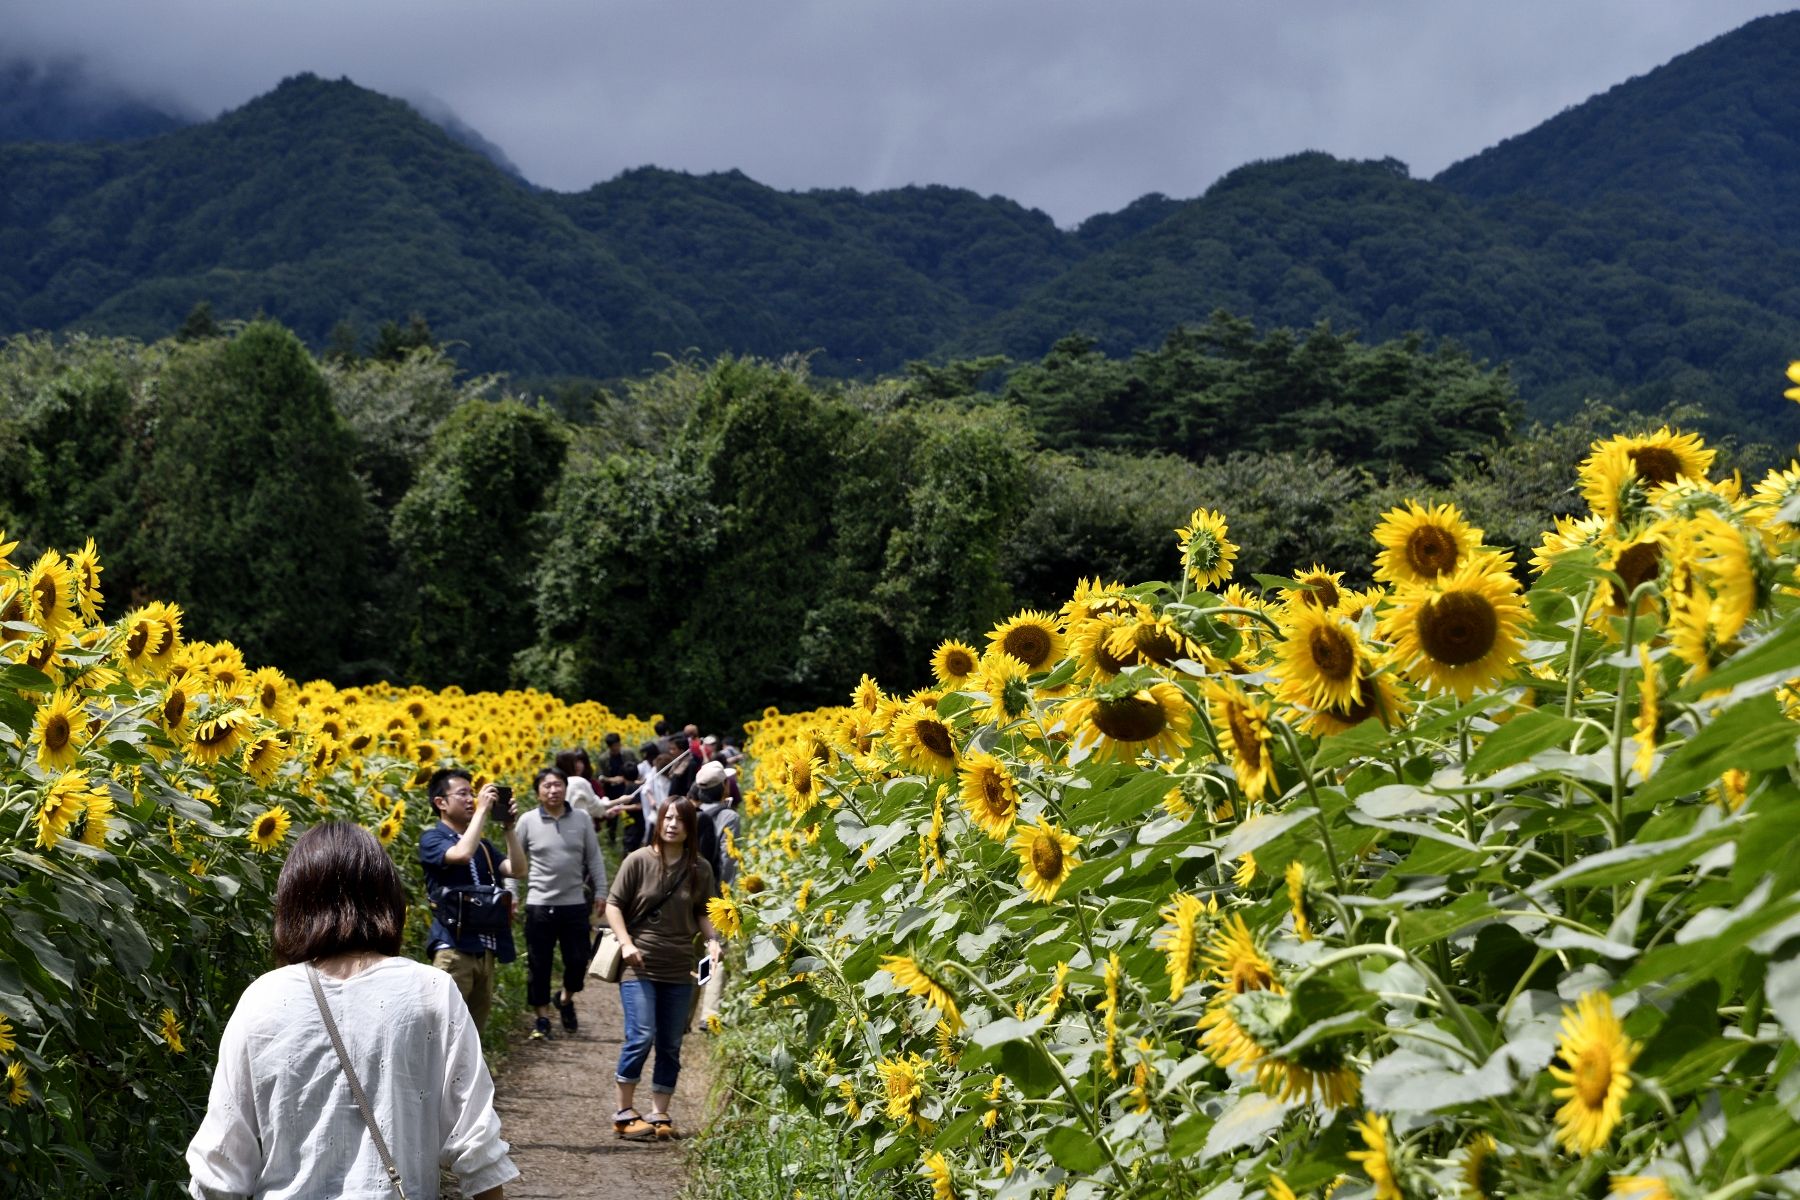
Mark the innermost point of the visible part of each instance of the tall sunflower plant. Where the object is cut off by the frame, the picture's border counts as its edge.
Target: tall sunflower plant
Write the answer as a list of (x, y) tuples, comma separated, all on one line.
[(150, 784), (1476, 880)]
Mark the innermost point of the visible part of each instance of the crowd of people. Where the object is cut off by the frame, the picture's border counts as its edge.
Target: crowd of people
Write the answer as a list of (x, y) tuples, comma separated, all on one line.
[(412, 1032)]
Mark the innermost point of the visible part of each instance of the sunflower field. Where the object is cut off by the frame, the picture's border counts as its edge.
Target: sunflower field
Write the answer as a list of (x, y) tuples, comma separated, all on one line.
[(149, 785), (1454, 886)]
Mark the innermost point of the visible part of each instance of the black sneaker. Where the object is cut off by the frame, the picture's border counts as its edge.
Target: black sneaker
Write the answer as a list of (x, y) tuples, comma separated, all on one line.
[(566, 1007), (540, 1031)]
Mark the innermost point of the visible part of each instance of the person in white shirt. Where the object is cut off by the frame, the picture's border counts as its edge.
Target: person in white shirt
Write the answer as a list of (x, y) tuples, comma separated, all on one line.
[(281, 1122)]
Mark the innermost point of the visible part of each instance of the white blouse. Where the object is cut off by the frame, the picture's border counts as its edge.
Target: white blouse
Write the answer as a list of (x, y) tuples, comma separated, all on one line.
[(281, 1123)]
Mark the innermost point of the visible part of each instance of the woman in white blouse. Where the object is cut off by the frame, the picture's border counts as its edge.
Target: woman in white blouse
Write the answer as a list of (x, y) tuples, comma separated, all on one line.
[(281, 1122)]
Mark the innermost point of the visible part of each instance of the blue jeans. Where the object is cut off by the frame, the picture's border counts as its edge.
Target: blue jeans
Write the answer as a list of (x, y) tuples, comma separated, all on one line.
[(655, 1014)]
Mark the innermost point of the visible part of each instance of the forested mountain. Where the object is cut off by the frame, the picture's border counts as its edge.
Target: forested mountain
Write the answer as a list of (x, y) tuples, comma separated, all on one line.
[(1642, 246), (60, 102)]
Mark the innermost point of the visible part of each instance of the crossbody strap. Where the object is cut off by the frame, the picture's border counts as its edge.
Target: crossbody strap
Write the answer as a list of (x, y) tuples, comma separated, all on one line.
[(663, 899), (356, 1088)]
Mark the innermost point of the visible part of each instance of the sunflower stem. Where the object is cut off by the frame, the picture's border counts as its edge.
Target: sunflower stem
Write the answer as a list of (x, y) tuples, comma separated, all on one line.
[(1087, 1115), (1312, 792), (1618, 729), (1475, 1049)]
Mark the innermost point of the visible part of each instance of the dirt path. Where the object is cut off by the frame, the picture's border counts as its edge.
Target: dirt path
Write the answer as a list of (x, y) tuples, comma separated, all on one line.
[(556, 1100)]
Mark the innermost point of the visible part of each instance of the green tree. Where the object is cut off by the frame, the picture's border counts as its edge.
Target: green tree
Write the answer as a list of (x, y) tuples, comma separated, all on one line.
[(468, 535), (249, 511)]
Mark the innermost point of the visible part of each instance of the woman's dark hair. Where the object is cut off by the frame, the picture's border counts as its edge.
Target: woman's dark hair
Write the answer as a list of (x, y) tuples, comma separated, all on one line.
[(689, 812), (574, 762), (648, 751), (338, 892), (545, 774)]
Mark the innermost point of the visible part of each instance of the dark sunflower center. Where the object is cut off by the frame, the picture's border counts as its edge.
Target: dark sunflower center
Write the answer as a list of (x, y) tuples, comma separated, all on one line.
[(1155, 643), (1656, 464), (14, 611), (934, 737), (1106, 660), (1030, 644), (57, 732), (1638, 563), (1047, 857), (1358, 711), (136, 641), (1432, 551), (1458, 628), (1130, 718), (265, 826), (270, 696), (175, 708), (1243, 735), (45, 592), (1322, 592), (1593, 1076), (1248, 975), (215, 733), (41, 653), (958, 663), (993, 794), (1333, 655)]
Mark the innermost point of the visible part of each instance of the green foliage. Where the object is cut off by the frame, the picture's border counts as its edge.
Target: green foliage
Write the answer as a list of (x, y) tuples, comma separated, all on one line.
[(467, 541), (248, 509)]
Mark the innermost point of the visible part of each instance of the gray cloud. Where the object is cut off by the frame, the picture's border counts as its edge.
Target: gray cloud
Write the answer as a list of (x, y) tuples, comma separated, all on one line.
[(1073, 106)]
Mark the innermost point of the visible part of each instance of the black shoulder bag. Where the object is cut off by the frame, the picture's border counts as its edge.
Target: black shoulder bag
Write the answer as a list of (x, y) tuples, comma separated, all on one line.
[(472, 909)]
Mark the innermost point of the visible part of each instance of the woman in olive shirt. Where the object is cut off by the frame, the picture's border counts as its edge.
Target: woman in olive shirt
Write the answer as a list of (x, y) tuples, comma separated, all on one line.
[(657, 908)]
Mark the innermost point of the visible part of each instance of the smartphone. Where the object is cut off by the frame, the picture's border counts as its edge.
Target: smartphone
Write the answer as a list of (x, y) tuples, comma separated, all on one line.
[(503, 803), (706, 968)]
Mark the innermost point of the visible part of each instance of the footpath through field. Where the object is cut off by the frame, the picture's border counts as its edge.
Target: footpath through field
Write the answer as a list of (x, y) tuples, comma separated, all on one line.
[(556, 1100)]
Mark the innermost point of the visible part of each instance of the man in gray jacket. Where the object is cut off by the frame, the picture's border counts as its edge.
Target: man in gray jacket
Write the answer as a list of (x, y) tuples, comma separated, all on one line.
[(566, 881)]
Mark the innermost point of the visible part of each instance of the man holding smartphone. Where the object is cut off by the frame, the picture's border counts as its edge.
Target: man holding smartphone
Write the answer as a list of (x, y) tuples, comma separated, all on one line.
[(463, 870)]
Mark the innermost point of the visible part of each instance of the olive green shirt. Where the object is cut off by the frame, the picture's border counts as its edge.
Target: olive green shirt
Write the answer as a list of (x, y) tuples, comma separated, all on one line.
[(667, 940)]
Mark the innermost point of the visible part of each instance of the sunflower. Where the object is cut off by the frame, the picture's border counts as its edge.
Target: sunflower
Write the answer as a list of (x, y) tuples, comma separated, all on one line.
[(1570, 534), (50, 602), (1651, 1187), (18, 1091), (1623, 472), (923, 740), (1320, 660), (1003, 679), (1318, 1070), (1298, 899), (989, 793), (1730, 561), (867, 697), (1481, 1168), (1154, 640), (1778, 489), (903, 1081), (914, 980), (273, 696), (1235, 962), (953, 663), (1089, 646), (169, 616), (1031, 637), (1419, 543), (1318, 587), (1596, 1057), (268, 830), (264, 756), (1636, 557), (1093, 600), (7, 1042), (1226, 1042), (1236, 595), (1277, 1188), (12, 611), (1178, 938), (937, 1169), (63, 800), (171, 1031), (1245, 873), (387, 830), (1460, 632), (85, 565), (723, 912), (59, 729), (1377, 1160), (99, 816), (1157, 719), (1207, 554), (1245, 725), (176, 712), (1046, 857), (219, 735)]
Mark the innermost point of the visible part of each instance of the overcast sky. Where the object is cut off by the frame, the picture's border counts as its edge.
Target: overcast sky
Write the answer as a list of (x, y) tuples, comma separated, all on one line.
[(1071, 106)]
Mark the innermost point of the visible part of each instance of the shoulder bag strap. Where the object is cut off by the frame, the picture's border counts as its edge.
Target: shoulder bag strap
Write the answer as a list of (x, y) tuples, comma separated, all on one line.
[(356, 1088), (680, 878)]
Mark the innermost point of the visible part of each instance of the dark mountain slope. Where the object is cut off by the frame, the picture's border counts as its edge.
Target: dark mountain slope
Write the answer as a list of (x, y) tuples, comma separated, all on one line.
[(1713, 135), (1363, 246), (60, 102), (317, 202)]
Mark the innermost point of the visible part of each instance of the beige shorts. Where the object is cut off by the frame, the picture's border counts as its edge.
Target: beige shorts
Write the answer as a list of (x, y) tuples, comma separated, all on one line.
[(474, 976)]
